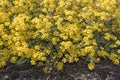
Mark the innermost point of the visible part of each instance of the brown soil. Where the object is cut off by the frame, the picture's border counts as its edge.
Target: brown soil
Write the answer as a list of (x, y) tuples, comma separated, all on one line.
[(105, 70)]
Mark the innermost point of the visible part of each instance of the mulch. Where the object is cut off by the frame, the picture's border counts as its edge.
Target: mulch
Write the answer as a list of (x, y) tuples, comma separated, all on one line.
[(105, 70)]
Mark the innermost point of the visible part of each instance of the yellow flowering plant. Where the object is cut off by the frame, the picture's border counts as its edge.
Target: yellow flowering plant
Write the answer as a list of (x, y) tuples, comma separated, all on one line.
[(51, 33)]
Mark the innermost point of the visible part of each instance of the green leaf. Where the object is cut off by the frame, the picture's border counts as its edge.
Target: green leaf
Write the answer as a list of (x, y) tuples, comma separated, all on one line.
[(101, 40), (21, 61), (107, 48)]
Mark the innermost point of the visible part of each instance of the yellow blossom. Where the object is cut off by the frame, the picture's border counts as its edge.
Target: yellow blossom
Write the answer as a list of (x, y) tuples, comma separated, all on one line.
[(33, 62), (54, 41), (2, 63), (118, 42), (116, 61), (91, 66), (59, 65), (66, 45), (13, 59), (4, 17), (118, 51)]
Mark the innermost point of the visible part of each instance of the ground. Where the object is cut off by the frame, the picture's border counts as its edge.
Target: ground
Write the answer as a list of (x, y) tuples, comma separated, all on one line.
[(105, 70)]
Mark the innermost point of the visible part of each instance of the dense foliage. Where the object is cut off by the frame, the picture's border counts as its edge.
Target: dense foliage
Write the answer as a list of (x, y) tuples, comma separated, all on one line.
[(50, 33)]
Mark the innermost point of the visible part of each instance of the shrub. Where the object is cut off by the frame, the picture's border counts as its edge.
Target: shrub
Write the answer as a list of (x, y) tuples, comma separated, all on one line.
[(51, 33)]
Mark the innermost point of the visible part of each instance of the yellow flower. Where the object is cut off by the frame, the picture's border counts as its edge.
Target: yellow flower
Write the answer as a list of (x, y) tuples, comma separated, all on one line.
[(35, 55), (117, 42), (70, 18), (7, 24), (20, 54), (91, 66), (59, 65), (97, 60), (1, 43), (54, 41), (66, 44), (43, 58), (113, 45), (4, 17), (4, 37), (63, 36), (103, 53), (64, 60), (118, 51), (47, 51), (116, 61), (1, 27), (103, 15), (13, 59), (56, 33), (37, 47), (76, 59), (107, 36), (112, 56), (61, 3), (70, 59), (33, 62), (69, 12), (2, 63)]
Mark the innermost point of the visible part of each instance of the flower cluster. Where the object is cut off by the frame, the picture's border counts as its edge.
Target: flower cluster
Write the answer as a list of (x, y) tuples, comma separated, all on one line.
[(53, 32)]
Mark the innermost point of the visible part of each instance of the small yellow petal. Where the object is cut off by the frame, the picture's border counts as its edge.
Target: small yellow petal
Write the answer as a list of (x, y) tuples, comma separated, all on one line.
[(91, 66)]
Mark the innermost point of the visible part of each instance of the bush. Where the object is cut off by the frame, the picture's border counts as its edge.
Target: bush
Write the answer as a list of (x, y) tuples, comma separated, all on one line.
[(51, 33)]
